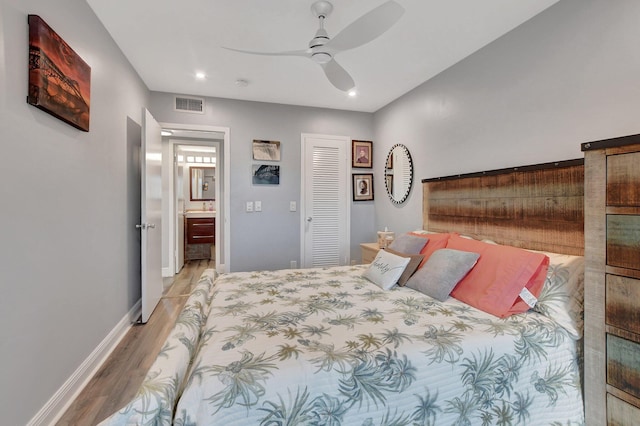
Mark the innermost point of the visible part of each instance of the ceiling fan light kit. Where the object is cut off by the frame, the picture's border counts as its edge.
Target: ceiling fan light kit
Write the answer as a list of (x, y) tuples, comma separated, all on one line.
[(323, 49)]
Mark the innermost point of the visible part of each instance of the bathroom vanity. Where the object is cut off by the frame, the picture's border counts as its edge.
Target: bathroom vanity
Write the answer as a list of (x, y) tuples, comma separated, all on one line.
[(200, 234)]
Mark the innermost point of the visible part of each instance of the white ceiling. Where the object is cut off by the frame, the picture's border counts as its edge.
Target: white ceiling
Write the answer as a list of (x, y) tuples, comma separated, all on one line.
[(168, 41)]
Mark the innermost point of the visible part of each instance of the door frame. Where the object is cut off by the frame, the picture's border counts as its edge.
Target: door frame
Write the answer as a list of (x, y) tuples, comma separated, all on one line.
[(303, 190), (174, 145), (223, 219)]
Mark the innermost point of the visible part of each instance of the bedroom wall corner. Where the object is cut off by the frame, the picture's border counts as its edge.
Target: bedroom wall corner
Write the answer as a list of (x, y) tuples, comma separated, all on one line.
[(569, 75), (65, 251)]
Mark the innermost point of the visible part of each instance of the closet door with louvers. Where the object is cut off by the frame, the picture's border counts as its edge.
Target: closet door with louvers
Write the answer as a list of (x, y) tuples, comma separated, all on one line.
[(325, 215)]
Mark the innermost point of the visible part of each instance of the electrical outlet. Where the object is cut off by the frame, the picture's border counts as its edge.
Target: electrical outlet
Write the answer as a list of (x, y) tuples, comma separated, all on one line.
[(257, 206), (249, 206), (292, 206), (294, 264)]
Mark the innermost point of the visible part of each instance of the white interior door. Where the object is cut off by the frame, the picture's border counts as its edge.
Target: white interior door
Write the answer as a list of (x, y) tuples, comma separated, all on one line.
[(325, 199), (151, 213)]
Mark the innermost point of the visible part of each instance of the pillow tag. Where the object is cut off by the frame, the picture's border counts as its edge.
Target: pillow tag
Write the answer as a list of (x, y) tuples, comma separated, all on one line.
[(528, 298)]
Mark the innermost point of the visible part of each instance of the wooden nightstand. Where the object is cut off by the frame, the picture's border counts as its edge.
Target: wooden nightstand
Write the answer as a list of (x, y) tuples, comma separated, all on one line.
[(369, 251)]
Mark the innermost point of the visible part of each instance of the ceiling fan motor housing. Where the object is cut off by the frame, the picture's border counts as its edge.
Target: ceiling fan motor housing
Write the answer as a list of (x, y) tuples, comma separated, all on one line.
[(321, 38)]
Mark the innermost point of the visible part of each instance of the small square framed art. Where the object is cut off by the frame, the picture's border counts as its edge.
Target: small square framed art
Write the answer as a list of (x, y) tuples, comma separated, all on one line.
[(362, 154), (363, 187)]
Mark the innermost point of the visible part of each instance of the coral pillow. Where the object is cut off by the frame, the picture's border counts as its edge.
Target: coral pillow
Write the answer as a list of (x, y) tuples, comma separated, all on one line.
[(436, 242), (495, 283)]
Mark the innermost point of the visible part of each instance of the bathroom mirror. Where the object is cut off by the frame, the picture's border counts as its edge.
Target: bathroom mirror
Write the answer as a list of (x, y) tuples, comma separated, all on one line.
[(398, 174), (203, 183)]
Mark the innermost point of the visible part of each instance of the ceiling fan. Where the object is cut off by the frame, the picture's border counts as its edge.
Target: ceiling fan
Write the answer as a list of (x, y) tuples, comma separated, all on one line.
[(322, 49)]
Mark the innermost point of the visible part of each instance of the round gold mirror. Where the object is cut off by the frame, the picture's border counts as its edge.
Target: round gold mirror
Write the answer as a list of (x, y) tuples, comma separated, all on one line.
[(398, 174)]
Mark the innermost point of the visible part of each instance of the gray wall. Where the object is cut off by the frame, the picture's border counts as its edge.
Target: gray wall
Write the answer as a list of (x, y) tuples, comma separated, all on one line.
[(271, 239), (569, 75), (67, 250)]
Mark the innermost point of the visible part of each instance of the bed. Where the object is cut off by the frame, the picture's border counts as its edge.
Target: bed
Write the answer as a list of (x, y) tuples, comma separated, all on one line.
[(327, 346)]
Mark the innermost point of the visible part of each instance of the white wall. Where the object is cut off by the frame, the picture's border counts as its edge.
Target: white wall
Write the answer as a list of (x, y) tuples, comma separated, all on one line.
[(67, 254), (271, 239), (567, 76)]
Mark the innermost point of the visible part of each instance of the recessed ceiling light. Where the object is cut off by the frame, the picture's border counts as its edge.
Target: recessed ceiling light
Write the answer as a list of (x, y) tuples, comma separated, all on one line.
[(353, 93), (200, 75)]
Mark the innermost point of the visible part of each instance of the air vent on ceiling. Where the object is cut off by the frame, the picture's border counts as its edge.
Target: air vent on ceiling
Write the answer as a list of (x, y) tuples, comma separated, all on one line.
[(195, 105)]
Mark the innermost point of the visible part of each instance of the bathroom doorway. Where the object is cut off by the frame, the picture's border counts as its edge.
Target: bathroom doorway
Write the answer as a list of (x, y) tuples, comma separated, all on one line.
[(196, 186), (197, 147)]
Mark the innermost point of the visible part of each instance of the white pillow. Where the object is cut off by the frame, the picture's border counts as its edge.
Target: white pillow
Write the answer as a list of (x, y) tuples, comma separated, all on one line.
[(386, 269), (562, 297)]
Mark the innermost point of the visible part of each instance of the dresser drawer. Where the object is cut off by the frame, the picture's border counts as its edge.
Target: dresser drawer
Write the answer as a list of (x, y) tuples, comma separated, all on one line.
[(623, 179), (620, 413), (623, 364), (623, 241), (200, 230), (623, 302)]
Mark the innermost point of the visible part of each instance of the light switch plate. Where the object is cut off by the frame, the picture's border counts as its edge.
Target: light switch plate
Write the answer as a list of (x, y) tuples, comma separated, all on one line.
[(257, 206), (292, 206), (249, 206)]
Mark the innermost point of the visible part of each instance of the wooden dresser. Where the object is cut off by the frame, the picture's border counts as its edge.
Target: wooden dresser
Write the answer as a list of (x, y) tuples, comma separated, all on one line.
[(612, 281)]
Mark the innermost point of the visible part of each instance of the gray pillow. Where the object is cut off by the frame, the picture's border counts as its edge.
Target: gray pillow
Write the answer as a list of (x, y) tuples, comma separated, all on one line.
[(416, 260), (408, 244), (442, 271)]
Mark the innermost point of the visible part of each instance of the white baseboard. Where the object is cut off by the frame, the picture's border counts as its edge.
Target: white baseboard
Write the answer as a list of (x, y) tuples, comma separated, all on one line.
[(62, 399), (166, 272)]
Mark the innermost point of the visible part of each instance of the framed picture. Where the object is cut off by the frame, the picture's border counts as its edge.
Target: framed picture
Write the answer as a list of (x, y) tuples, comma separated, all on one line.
[(362, 154), (266, 150), (266, 174), (59, 80), (363, 187)]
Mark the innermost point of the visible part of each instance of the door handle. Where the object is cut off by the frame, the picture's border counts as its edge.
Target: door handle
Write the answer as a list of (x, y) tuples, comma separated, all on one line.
[(309, 219), (146, 226)]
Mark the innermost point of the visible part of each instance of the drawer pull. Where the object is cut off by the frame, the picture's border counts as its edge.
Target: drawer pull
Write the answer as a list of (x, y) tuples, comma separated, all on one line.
[(195, 237)]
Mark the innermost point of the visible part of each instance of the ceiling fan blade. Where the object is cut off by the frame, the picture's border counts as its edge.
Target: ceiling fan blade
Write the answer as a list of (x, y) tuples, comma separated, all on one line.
[(303, 53), (368, 27), (338, 76)]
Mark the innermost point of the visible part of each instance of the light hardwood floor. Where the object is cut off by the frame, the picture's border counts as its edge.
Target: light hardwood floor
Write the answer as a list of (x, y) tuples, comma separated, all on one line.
[(118, 379)]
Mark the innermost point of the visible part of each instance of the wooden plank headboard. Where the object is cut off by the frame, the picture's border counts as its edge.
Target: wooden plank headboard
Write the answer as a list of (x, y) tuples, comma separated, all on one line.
[(539, 207)]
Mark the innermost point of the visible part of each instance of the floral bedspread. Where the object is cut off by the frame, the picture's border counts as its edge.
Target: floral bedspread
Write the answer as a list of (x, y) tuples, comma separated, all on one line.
[(327, 347)]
